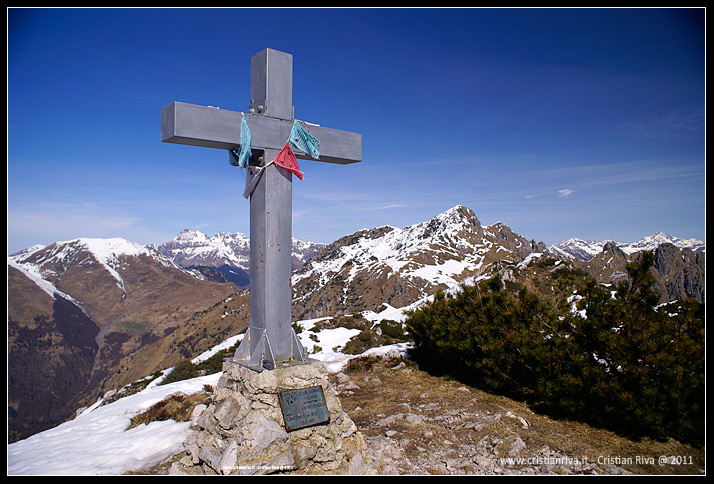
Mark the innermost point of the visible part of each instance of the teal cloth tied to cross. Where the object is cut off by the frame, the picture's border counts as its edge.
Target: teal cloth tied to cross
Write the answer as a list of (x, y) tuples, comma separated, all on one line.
[(245, 152), (304, 141)]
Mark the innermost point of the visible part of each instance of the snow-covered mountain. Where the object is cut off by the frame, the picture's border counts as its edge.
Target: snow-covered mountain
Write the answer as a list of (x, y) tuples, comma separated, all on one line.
[(583, 250), (577, 249), (228, 253), (194, 248), (655, 240), (76, 309), (45, 265), (399, 266)]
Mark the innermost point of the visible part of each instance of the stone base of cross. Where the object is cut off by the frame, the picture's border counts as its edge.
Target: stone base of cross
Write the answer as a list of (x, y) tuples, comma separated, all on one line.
[(270, 339)]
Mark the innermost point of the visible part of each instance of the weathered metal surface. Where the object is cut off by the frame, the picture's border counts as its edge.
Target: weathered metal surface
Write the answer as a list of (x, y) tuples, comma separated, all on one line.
[(207, 127), (303, 407)]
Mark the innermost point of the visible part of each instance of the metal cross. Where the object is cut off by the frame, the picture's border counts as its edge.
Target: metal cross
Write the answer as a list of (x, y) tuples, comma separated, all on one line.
[(270, 339)]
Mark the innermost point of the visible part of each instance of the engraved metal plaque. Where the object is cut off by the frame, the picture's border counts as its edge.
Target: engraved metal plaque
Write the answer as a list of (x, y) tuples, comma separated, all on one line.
[(303, 407)]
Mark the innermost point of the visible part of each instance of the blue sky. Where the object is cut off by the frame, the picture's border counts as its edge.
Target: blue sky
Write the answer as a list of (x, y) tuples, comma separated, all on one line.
[(560, 123)]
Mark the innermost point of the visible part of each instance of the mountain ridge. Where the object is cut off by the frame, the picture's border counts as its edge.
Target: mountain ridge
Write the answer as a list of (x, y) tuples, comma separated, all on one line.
[(193, 248), (143, 310), (393, 266), (227, 253), (76, 309), (585, 250)]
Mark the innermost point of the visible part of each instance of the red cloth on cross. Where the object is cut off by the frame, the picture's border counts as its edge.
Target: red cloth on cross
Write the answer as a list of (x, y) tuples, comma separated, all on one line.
[(286, 159)]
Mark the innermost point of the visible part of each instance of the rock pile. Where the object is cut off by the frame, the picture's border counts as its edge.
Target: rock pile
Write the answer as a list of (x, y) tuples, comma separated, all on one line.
[(242, 430)]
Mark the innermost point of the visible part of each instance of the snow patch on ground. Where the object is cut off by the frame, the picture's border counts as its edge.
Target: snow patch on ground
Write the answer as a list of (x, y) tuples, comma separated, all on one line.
[(96, 442)]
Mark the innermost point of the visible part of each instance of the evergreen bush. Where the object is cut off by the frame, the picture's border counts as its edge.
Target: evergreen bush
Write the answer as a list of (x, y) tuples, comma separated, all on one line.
[(620, 361)]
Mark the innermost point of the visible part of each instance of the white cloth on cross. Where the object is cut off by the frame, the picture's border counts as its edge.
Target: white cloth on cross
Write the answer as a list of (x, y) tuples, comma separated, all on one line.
[(252, 179)]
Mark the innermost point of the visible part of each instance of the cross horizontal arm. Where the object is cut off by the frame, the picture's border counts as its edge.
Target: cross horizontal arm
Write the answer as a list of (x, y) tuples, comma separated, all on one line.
[(208, 127)]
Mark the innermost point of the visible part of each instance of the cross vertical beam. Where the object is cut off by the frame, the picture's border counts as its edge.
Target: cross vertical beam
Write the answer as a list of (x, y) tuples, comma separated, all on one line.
[(271, 338)]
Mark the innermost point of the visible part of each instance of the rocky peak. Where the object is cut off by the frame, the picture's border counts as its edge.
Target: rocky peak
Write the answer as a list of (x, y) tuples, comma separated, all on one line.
[(456, 223), (611, 247), (680, 272), (399, 266)]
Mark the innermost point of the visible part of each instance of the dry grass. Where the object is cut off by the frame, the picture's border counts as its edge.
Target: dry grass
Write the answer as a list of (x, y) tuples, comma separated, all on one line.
[(177, 407)]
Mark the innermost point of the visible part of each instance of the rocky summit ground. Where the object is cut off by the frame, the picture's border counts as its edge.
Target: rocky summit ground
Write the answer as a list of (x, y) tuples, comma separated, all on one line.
[(416, 423)]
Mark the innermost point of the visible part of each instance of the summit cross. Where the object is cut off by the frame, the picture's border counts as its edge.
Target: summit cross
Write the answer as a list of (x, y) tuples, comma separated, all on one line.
[(270, 339)]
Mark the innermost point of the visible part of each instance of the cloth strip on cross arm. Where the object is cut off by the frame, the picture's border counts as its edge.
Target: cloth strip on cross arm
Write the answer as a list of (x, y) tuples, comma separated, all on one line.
[(304, 141), (286, 159), (245, 152)]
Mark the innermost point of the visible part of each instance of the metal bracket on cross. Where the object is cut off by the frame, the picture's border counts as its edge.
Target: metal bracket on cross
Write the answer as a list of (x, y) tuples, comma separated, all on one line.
[(259, 354), (265, 132)]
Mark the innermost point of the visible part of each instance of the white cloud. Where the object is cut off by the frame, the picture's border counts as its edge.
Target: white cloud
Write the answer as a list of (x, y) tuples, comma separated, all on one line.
[(565, 193)]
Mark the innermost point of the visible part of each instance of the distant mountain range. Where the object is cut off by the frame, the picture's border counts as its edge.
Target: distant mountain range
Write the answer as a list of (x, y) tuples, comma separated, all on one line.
[(224, 256), (88, 315), (580, 249)]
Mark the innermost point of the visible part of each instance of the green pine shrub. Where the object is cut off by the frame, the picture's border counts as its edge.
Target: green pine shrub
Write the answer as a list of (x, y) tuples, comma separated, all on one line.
[(627, 364)]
